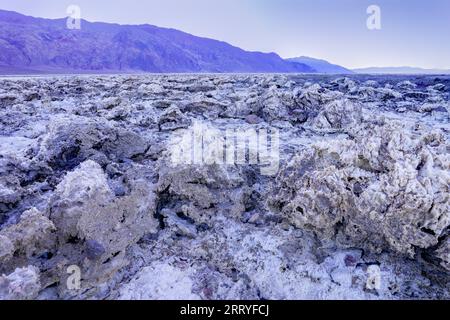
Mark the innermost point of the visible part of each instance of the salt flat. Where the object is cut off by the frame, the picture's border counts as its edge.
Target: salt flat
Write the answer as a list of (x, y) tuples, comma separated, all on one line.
[(357, 208)]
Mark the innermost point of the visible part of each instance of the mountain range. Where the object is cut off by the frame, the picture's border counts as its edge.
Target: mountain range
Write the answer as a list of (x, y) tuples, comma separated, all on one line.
[(30, 45), (399, 70), (35, 45), (321, 66)]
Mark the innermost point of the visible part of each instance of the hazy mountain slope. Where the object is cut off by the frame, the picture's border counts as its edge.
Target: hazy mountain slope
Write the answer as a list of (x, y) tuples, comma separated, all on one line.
[(399, 70), (45, 45), (321, 66)]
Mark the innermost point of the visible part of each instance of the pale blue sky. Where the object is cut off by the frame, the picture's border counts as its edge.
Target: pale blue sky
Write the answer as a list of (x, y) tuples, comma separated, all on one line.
[(414, 32)]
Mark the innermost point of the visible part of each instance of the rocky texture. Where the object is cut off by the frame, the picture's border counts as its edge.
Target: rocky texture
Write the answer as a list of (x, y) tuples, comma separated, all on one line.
[(388, 189), (22, 284), (359, 208), (172, 284), (32, 234)]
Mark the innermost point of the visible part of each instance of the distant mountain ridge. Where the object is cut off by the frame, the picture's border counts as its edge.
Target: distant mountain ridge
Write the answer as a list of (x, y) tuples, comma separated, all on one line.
[(399, 70), (29, 44), (321, 66)]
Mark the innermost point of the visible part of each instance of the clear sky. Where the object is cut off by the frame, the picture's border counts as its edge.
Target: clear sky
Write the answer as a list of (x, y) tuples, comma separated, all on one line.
[(414, 32)]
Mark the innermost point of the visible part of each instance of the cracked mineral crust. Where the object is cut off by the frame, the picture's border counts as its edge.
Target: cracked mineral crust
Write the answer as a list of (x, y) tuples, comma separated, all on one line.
[(93, 205)]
